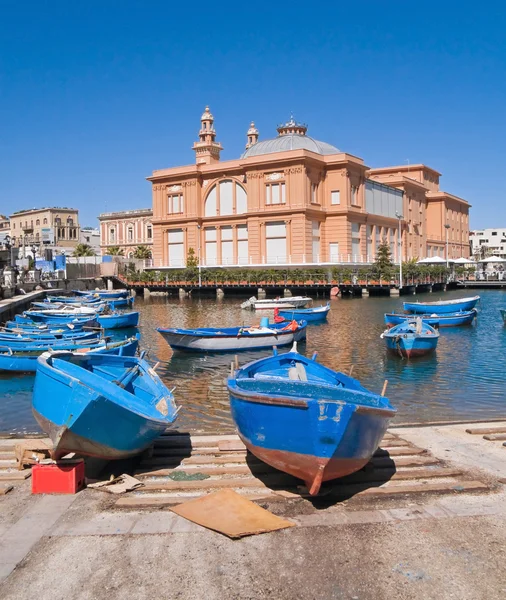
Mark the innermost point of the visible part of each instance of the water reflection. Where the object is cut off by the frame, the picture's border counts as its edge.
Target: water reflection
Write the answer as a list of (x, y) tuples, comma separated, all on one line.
[(463, 379)]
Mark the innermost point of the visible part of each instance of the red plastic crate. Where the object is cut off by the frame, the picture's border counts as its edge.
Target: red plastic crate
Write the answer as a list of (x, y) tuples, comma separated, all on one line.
[(64, 477)]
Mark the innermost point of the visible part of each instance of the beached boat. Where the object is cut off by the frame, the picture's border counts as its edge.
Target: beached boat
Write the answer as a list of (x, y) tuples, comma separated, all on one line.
[(234, 339), (26, 359), (311, 315), (411, 338), (292, 302), (442, 306), (118, 320), (305, 419), (444, 320), (107, 294), (99, 405), (503, 314)]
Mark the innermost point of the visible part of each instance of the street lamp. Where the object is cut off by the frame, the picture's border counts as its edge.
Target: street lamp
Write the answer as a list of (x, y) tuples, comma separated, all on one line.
[(447, 226), (198, 255), (399, 233)]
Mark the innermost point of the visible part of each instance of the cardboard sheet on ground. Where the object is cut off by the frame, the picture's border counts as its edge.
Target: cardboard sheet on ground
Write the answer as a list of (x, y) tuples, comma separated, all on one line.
[(119, 485), (230, 513)]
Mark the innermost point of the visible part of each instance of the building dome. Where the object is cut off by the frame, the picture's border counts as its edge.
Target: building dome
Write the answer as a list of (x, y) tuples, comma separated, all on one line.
[(292, 136)]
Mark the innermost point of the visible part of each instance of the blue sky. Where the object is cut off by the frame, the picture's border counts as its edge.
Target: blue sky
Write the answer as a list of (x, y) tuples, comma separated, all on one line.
[(95, 95)]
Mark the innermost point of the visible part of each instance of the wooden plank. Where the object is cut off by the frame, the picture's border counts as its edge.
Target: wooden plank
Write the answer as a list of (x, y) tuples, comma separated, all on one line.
[(483, 430), (495, 437), (5, 488), (409, 488), (14, 475), (231, 446), (147, 501), (167, 461), (403, 461)]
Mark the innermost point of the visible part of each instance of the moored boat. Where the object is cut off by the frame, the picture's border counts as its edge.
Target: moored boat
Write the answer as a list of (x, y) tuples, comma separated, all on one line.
[(234, 339), (20, 338), (442, 306), (108, 294), (100, 405), (289, 302), (305, 419), (311, 315), (411, 338), (444, 320), (75, 323), (62, 314), (25, 359), (118, 320)]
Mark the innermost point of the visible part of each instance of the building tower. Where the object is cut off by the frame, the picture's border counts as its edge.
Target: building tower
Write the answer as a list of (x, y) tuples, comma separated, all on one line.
[(252, 135), (292, 126), (207, 150)]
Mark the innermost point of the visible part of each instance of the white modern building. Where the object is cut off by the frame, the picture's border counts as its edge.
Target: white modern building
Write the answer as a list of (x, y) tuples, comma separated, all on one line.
[(493, 240), (91, 237)]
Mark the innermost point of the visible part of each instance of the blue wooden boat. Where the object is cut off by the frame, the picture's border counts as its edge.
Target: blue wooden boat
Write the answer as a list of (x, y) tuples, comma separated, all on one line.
[(99, 405), (107, 294), (12, 338), (21, 322), (59, 315), (234, 339), (411, 338), (442, 306), (120, 302), (26, 359), (118, 320), (311, 315), (73, 300), (445, 320), (305, 419), (65, 307)]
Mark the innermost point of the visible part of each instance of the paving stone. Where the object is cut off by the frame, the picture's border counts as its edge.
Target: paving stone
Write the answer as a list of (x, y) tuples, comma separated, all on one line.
[(101, 524), (368, 516), (406, 514), (436, 511), (335, 518), (159, 522)]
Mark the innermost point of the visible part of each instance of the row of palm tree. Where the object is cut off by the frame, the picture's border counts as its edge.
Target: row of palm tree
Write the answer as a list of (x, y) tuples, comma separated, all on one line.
[(141, 252)]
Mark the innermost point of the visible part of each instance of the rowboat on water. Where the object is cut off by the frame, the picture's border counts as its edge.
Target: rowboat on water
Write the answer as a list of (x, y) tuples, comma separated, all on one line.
[(117, 320), (444, 320), (292, 302), (442, 306), (61, 314), (74, 324), (8, 338), (234, 339), (26, 359), (411, 338), (67, 308), (311, 315), (110, 407), (108, 294), (73, 300), (305, 419)]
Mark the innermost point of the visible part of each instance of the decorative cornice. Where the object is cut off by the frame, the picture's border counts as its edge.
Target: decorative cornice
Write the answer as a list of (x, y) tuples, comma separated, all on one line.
[(274, 176), (293, 170)]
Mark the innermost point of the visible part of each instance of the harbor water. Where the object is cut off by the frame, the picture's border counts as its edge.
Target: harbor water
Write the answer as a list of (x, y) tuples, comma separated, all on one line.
[(463, 380)]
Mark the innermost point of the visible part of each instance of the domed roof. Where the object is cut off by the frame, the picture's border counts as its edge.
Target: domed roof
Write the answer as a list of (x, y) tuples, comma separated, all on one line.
[(290, 141)]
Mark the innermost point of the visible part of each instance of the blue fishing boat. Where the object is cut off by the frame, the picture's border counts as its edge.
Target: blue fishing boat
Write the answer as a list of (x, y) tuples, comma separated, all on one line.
[(441, 307), (9, 338), (234, 339), (21, 322), (107, 294), (98, 405), (73, 300), (411, 338), (311, 315), (60, 315), (444, 320), (117, 320), (25, 359), (120, 302), (305, 419)]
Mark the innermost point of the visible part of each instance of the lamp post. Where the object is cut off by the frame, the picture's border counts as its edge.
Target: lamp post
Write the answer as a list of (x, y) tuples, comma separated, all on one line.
[(400, 248), (198, 254), (447, 226)]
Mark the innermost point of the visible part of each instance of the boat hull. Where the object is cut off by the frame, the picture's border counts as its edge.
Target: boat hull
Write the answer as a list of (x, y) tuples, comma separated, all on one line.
[(443, 320), (102, 293), (119, 321), (310, 315), (195, 343), (441, 308), (317, 442), (411, 347)]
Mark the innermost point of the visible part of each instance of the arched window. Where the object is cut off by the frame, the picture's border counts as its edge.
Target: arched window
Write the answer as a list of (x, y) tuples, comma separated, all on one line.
[(70, 221), (37, 222), (226, 198), (45, 221), (57, 222)]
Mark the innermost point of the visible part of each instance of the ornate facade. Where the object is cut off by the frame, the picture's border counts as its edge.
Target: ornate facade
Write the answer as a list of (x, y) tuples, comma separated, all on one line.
[(295, 200), (127, 230), (54, 226)]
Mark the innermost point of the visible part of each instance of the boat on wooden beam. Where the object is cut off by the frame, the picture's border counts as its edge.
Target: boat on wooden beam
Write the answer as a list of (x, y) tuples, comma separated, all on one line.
[(411, 338), (311, 315), (234, 339), (99, 405), (442, 306), (25, 359), (444, 320), (305, 419)]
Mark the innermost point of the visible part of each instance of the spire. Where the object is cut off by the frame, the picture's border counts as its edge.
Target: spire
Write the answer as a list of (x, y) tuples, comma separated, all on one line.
[(207, 149), (252, 134)]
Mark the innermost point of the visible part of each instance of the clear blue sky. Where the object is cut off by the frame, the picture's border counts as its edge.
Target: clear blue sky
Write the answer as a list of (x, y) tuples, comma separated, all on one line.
[(95, 95)]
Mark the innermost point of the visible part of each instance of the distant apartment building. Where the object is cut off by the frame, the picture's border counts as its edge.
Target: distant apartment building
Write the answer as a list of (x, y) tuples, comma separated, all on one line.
[(91, 237), (5, 228), (52, 227), (127, 230), (488, 242), (295, 200)]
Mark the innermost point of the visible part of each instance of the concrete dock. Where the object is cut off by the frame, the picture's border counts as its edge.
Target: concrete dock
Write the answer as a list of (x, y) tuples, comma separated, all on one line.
[(428, 544)]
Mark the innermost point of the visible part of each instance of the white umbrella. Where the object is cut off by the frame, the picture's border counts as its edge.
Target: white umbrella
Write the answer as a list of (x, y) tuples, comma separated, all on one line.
[(464, 261), (493, 259), (433, 260)]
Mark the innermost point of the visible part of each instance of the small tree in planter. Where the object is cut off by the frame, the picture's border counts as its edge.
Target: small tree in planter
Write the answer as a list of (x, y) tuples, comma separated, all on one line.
[(383, 264), (192, 261)]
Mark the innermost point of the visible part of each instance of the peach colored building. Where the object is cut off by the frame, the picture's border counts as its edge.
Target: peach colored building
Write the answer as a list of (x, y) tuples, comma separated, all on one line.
[(127, 230), (293, 200), (56, 226)]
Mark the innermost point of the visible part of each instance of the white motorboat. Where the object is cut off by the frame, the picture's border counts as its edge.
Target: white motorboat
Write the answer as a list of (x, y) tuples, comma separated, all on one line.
[(265, 304)]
